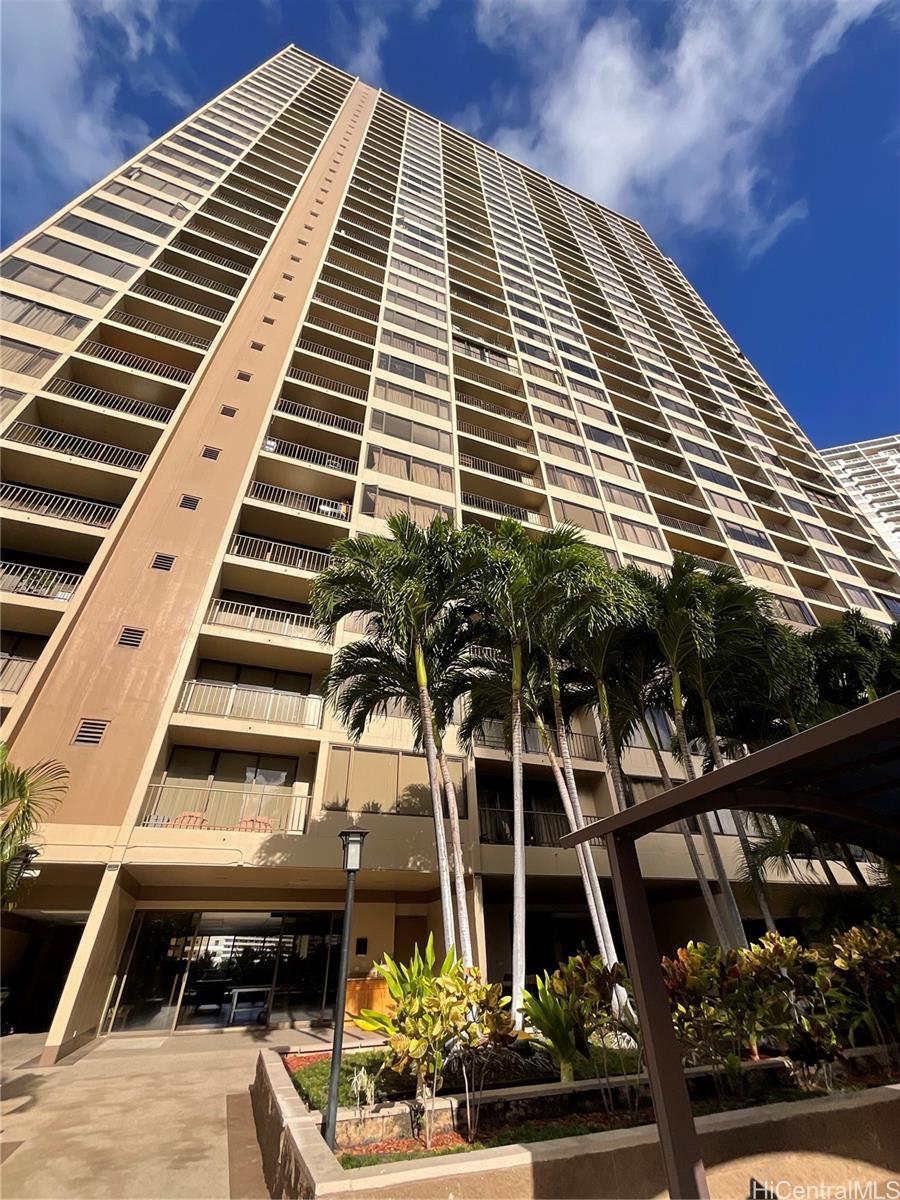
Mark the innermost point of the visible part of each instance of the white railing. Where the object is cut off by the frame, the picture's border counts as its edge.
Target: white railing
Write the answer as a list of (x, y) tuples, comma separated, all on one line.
[(501, 509), (280, 554), (320, 416), (249, 703), (23, 580), (13, 672), (78, 447), (309, 454), (135, 362), (261, 620), (498, 469), (91, 395), (52, 504), (320, 506), (159, 330), (201, 310), (211, 806)]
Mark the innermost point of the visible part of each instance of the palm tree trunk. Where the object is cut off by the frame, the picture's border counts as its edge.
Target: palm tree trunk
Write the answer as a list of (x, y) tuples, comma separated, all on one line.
[(585, 862), (440, 840), (610, 753), (518, 933), (459, 874), (822, 860), (852, 865), (738, 937), (705, 890), (759, 889)]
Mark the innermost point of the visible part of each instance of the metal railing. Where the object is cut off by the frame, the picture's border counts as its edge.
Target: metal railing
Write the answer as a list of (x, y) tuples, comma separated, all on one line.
[(322, 381), (341, 356), (14, 671), (487, 357), (279, 554), (343, 306), (491, 406), (822, 595), (225, 806), (217, 260), (242, 203), (217, 285), (704, 531), (159, 330), (135, 362), (319, 416), (78, 447), (541, 828), (201, 310), (343, 330), (502, 472), (24, 580), (485, 381), (54, 504), (500, 439), (308, 454), (338, 510), (206, 230), (492, 736), (380, 242), (500, 509), (356, 289), (215, 699), (214, 211), (103, 399), (358, 257), (261, 620), (660, 464)]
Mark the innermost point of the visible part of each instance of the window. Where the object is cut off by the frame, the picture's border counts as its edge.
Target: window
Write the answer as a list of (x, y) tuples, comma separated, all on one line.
[(626, 497), (107, 235), (701, 450), (91, 260), (363, 780), (573, 481), (605, 438), (792, 610), (407, 321), (891, 604), (538, 392), (39, 316), (189, 502), (417, 401), (211, 452), (859, 596), (557, 421), (615, 466), (715, 476), (579, 514), (595, 412), (761, 569), (49, 280), (116, 212), (404, 466), (376, 502), (411, 431), (228, 410), (752, 537), (421, 374), (837, 562), (154, 203), (636, 531), (25, 359), (563, 449), (817, 532), (729, 504)]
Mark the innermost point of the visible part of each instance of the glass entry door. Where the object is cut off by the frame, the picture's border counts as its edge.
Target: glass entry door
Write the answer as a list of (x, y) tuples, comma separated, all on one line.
[(152, 973), (232, 968)]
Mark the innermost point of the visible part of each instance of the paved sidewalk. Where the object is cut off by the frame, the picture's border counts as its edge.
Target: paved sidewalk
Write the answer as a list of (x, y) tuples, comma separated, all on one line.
[(138, 1118)]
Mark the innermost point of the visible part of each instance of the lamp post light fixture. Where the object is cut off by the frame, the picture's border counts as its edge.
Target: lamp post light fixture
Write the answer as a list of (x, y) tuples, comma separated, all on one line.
[(352, 840)]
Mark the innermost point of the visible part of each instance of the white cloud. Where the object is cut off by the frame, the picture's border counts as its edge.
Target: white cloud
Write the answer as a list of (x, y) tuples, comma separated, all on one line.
[(362, 32), (672, 131), (364, 59)]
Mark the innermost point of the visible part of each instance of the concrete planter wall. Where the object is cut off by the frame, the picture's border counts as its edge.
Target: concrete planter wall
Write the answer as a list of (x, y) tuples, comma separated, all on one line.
[(861, 1129)]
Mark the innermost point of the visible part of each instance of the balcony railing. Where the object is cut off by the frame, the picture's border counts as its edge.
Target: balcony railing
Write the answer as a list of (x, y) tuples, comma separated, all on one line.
[(13, 672), (357, 289), (159, 330), (343, 330), (24, 580), (500, 509), (500, 362), (78, 447), (660, 464), (215, 699), (201, 310), (497, 469), (500, 439), (261, 620), (226, 806), (492, 736), (103, 399), (280, 554), (692, 527), (320, 416), (227, 289), (822, 595), (321, 506), (484, 381), (490, 406), (135, 362), (53, 504), (218, 260), (341, 356), (541, 828), (322, 381), (344, 306), (308, 454)]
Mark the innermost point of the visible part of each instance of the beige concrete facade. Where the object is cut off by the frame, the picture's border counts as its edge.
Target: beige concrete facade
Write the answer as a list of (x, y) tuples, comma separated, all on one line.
[(306, 307)]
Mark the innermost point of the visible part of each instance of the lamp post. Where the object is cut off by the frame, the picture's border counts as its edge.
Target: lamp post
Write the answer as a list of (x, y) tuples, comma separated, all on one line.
[(352, 840)]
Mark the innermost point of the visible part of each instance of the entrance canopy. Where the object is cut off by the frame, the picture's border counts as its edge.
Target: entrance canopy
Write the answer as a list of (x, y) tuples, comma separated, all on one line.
[(841, 777)]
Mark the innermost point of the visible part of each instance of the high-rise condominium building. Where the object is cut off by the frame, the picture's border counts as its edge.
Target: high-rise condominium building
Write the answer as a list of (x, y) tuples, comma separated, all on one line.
[(305, 308), (870, 471)]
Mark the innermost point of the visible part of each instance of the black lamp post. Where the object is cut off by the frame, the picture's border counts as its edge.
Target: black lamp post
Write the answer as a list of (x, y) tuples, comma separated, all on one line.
[(353, 842)]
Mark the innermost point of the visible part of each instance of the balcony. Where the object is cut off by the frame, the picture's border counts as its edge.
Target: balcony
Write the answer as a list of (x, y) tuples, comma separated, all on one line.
[(156, 329), (492, 736), (253, 618), (344, 331), (491, 435), (822, 595), (77, 447), (319, 506), (500, 509), (218, 260), (189, 306), (309, 455), (233, 700), (135, 362), (226, 806), (23, 580), (203, 281), (13, 672), (306, 346), (541, 828), (57, 505), (486, 381), (330, 385), (278, 554), (689, 527), (86, 394), (491, 406), (470, 462)]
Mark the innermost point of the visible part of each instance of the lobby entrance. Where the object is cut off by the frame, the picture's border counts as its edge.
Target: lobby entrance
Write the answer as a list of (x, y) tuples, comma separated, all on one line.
[(195, 970)]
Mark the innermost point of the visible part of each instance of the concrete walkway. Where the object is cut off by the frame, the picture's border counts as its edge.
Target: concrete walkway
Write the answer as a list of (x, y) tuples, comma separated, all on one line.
[(138, 1118)]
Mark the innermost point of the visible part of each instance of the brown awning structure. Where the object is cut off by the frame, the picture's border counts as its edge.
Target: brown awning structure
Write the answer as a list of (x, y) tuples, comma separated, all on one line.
[(841, 778)]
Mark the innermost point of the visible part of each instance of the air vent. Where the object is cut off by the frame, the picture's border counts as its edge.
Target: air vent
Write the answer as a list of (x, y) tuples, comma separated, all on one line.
[(131, 637), (162, 562), (256, 345), (89, 732), (244, 376), (227, 411), (191, 502), (212, 452), (268, 320), (277, 296)]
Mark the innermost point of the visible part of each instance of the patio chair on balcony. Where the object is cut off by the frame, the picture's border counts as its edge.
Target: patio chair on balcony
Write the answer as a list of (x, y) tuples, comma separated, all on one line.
[(190, 820), (254, 825)]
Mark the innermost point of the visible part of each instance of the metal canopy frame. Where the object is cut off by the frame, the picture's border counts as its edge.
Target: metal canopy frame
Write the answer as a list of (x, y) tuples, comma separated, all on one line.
[(842, 776)]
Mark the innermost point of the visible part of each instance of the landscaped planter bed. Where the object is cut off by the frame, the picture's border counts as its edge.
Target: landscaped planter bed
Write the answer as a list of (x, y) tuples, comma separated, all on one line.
[(622, 1162)]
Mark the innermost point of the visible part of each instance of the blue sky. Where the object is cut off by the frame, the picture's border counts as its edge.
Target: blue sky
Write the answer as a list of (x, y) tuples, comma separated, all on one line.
[(758, 142)]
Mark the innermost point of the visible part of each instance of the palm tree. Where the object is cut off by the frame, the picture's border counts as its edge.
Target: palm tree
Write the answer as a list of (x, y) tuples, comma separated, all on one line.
[(402, 585), (28, 795), (683, 630), (848, 655)]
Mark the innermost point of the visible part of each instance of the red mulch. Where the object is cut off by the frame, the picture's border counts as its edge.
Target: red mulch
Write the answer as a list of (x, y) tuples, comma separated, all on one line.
[(440, 1141), (293, 1062)]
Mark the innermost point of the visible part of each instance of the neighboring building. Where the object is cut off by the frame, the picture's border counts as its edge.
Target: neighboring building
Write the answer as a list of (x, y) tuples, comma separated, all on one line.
[(305, 308), (870, 471)]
